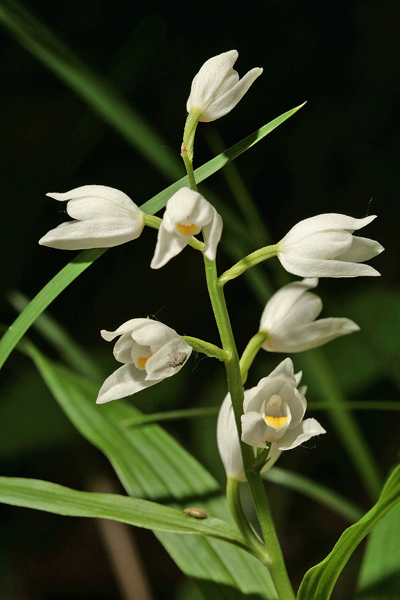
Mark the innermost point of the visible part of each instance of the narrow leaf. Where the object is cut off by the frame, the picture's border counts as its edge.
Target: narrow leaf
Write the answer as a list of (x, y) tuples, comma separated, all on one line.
[(54, 498), (319, 581), (380, 570)]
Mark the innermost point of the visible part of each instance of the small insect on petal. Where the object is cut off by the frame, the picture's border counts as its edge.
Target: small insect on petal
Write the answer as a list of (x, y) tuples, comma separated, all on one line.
[(197, 513)]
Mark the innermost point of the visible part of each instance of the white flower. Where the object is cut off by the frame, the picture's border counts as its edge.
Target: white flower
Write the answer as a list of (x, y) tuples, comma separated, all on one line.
[(274, 411), (228, 443), (187, 212), (288, 319), (323, 246), (216, 89), (105, 217), (151, 352)]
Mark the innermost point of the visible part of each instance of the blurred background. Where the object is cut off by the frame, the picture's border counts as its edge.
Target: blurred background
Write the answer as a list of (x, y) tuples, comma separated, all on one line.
[(339, 153)]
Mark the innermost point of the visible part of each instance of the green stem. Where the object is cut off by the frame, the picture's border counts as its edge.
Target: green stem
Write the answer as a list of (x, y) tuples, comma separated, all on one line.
[(192, 120), (235, 505), (206, 348), (276, 565), (250, 352), (189, 170), (272, 550), (251, 260)]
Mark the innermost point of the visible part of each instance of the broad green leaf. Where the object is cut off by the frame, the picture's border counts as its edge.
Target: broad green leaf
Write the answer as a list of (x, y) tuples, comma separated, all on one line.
[(380, 571), (85, 258), (319, 581), (317, 492), (151, 465), (54, 498)]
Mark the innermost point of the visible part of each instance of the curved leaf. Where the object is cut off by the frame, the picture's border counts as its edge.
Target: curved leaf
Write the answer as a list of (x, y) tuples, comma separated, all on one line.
[(319, 581), (58, 499)]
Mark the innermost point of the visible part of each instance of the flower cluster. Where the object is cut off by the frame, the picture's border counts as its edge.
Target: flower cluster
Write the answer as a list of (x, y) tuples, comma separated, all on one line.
[(273, 412)]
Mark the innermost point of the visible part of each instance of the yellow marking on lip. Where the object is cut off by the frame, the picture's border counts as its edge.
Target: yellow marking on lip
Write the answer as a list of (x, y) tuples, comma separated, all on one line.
[(276, 422), (142, 360), (188, 230)]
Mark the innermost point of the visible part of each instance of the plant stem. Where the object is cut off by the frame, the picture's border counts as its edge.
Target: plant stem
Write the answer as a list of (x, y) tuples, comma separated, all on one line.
[(251, 260), (251, 352), (272, 554), (235, 505)]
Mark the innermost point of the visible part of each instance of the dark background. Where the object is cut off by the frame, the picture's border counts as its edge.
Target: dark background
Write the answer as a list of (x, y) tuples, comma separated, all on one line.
[(339, 153)]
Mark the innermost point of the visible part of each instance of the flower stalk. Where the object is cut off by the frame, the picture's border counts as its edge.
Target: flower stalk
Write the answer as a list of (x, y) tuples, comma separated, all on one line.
[(251, 260), (250, 352)]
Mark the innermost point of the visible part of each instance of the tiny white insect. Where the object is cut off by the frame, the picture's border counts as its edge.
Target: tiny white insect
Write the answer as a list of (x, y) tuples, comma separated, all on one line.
[(197, 513)]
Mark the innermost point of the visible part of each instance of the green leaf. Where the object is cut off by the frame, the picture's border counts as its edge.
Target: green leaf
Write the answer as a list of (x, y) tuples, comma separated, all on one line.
[(152, 465), (50, 497), (319, 581), (380, 571)]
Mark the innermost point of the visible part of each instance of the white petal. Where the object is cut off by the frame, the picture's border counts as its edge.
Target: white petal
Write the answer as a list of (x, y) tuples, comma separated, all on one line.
[(311, 335), (216, 88), (228, 441), (325, 222), (129, 326), (297, 404), (362, 249), (319, 245), (125, 381), (210, 78), (254, 430), (300, 434), (225, 103), (168, 245), (153, 333), (168, 360), (280, 305), (213, 232), (96, 233), (187, 204), (311, 267), (268, 386)]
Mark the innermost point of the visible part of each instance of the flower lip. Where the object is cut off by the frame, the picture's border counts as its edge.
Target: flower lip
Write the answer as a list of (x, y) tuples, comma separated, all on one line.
[(216, 89), (274, 411)]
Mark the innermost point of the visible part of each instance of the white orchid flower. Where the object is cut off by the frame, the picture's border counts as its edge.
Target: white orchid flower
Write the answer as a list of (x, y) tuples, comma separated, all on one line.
[(323, 246), (229, 446), (186, 214), (105, 217), (216, 88), (288, 319), (151, 352), (274, 411)]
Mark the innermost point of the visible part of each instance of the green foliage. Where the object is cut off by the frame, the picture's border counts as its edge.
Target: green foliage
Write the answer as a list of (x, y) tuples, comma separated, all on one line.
[(319, 581), (152, 465)]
